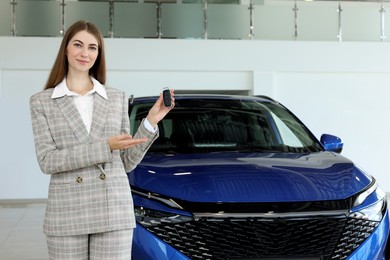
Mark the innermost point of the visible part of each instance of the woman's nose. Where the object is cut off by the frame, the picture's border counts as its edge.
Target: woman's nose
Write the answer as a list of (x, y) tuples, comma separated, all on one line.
[(84, 53)]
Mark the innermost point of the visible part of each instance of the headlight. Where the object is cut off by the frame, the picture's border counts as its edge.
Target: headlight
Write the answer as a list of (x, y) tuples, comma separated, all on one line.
[(149, 217), (362, 196), (374, 212), (376, 201)]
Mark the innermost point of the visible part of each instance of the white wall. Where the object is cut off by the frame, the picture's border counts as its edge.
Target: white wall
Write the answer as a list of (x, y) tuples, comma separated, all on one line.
[(341, 88)]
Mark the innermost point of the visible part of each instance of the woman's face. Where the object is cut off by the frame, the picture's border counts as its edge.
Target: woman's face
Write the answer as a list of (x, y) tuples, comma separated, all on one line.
[(82, 51)]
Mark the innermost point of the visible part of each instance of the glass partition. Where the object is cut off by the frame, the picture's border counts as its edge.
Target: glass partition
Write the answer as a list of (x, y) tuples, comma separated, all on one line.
[(38, 18), (318, 24), (135, 20), (228, 21), (96, 12), (203, 19), (273, 22), (386, 22), (361, 23), (182, 21), (6, 18)]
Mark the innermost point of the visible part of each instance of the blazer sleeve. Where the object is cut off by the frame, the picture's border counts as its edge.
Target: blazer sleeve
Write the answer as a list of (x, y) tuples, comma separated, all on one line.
[(132, 156), (53, 160)]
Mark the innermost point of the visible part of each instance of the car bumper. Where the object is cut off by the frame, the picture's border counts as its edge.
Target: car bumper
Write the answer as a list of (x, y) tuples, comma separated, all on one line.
[(148, 246)]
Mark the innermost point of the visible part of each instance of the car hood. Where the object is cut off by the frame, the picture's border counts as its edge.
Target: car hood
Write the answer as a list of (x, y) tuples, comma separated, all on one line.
[(241, 177)]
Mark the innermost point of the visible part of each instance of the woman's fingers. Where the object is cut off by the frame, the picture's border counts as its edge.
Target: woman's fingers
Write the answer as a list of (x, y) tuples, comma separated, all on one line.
[(124, 141)]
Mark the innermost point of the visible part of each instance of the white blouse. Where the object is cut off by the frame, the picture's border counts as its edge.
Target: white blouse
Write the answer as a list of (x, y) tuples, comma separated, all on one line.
[(84, 103)]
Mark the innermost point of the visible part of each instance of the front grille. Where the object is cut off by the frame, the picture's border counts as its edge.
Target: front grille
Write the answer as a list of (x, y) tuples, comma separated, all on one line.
[(258, 238), (354, 233)]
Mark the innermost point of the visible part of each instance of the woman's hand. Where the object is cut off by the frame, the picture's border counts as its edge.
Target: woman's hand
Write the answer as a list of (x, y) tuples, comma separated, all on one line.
[(159, 111), (123, 141)]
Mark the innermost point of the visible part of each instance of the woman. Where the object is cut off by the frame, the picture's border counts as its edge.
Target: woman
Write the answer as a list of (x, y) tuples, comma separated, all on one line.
[(82, 140)]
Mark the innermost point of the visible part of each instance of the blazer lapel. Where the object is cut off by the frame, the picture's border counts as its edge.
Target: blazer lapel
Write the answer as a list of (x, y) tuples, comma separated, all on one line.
[(72, 116), (99, 116)]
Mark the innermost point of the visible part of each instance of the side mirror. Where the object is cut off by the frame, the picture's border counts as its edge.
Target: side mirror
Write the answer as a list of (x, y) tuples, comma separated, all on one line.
[(331, 143)]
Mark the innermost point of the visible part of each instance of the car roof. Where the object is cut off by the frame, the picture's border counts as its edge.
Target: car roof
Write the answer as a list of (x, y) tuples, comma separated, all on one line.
[(260, 98)]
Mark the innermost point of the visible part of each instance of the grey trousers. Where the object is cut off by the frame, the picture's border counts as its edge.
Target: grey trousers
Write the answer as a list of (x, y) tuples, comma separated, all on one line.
[(114, 245)]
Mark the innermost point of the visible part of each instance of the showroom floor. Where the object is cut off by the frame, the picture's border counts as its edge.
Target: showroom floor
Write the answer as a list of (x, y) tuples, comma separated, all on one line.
[(21, 236)]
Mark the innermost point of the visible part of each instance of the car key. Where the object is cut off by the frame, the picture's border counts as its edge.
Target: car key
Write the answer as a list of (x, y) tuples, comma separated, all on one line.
[(167, 97)]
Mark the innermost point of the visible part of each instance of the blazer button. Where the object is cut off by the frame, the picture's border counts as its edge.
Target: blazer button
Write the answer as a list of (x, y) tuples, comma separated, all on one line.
[(102, 176), (79, 180)]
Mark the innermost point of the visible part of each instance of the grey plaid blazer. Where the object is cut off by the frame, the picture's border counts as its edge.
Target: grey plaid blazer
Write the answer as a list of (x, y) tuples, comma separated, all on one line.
[(89, 191)]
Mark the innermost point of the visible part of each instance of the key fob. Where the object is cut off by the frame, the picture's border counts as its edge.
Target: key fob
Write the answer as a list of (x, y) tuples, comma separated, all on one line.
[(167, 97)]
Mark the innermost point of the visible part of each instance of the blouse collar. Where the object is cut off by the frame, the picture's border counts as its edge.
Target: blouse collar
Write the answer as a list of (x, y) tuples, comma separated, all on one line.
[(62, 89)]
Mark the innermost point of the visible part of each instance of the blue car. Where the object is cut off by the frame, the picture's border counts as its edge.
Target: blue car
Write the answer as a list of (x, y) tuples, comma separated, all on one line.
[(241, 177)]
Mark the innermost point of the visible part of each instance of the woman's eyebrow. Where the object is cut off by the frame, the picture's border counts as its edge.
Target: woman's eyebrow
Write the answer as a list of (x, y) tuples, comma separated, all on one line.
[(91, 44)]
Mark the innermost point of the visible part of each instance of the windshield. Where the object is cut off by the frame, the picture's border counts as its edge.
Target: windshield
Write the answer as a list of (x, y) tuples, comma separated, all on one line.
[(217, 125)]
